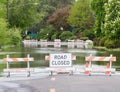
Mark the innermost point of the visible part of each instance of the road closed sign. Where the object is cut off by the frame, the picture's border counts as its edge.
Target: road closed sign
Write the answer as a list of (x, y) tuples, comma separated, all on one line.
[(60, 60)]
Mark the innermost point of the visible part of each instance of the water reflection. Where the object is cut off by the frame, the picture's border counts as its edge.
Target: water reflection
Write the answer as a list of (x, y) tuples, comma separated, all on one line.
[(39, 54)]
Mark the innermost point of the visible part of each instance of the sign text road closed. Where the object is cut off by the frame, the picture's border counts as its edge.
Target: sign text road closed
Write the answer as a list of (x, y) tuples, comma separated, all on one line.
[(60, 60)]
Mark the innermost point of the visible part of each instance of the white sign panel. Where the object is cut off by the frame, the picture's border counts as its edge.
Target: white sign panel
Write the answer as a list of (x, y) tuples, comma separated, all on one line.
[(60, 60)]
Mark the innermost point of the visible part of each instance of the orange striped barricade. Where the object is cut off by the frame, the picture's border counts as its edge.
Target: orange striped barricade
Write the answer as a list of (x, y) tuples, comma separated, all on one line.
[(90, 59), (60, 63), (8, 60)]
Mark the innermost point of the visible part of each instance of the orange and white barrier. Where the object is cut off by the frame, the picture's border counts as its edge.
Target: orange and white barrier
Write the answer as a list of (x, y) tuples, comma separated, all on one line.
[(18, 59), (87, 69), (60, 61), (8, 60), (90, 59)]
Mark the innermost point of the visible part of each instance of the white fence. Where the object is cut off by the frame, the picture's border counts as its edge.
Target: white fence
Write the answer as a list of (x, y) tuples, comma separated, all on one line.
[(58, 43)]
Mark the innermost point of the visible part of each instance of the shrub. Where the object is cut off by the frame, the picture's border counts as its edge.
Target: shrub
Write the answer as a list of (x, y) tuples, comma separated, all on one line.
[(110, 43), (46, 33), (102, 41), (15, 36), (89, 33), (117, 43), (67, 35), (84, 38)]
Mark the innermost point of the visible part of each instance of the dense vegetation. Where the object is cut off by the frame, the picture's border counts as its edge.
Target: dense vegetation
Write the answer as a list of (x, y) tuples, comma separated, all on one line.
[(98, 20)]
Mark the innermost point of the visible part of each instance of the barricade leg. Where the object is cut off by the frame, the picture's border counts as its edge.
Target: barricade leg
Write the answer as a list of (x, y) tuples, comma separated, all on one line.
[(108, 71), (28, 74), (51, 73), (87, 69), (71, 72), (8, 74)]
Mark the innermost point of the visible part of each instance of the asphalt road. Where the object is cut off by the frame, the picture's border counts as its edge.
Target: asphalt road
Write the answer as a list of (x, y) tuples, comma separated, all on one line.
[(75, 83)]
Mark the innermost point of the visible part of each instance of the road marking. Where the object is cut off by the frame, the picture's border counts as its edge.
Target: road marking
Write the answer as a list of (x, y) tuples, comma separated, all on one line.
[(52, 90), (53, 78)]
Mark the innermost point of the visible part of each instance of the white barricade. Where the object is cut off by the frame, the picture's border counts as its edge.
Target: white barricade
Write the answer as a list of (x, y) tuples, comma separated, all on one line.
[(80, 44), (57, 43), (43, 43), (90, 59), (60, 63), (71, 44), (8, 60)]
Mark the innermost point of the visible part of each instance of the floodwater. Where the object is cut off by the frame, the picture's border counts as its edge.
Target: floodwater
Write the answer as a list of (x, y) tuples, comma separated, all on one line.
[(39, 55)]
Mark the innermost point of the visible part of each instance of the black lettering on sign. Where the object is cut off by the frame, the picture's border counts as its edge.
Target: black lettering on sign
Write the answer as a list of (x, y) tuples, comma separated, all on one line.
[(60, 56), (60, 62)]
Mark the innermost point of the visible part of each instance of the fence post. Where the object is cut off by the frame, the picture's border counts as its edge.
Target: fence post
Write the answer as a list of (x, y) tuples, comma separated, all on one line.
[(28, 65)]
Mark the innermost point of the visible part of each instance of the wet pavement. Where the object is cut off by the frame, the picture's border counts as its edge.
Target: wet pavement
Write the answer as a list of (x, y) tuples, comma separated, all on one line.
[(14, 87), (64, 83)]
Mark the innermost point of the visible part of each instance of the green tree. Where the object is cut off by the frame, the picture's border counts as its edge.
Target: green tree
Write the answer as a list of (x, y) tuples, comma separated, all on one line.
[(3, 25), (46, 33), (111, 26), (99, 11), (3, 32), (81, 16), (23, 13), (14, 36), (59, 18)]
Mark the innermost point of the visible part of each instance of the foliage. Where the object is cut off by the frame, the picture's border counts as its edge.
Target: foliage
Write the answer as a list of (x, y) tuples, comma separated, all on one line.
[(23, 13), (46, 33), (47, 8), (55, 36), (99, 11), (102, 41), (111, 27), (67, 35), (3, 25), (81, 16), (59, 18), (3, 32), (109, 43), (14, 36), (107, 26), (84, 38), (89, 33), (2, 9)]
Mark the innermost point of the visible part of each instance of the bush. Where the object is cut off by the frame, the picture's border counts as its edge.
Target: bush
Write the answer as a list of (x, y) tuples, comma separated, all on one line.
[(89, 33), (117, 43), (15, 36), (67, 35), (102, 41), (110, 43), (46, 33), (84, 38)]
